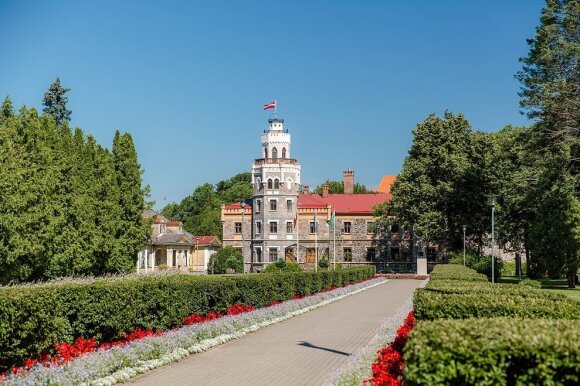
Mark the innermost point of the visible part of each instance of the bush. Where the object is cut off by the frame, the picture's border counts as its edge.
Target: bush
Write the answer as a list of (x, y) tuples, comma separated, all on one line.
[(530, 283), (455, 292), (34, 317), (481, 264), (498, 351), (282, 266), (456, 272), (226, 257)]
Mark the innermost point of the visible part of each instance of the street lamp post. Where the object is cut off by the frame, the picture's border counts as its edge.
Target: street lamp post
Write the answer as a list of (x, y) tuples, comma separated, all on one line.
[(493, 239), (243, 205), (464, 228)]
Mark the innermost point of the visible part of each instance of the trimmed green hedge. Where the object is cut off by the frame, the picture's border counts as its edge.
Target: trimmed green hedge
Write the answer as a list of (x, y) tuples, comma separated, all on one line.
[(446, 298), (497, 351), (34, 317), (456, 272)]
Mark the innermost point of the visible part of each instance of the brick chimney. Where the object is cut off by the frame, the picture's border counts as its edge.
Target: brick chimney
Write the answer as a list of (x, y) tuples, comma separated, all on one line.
[(305, 189), (348, 181), (325, 189)]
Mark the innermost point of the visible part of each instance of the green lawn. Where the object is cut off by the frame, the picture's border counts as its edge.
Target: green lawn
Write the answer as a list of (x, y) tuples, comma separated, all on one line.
[(556, 285)]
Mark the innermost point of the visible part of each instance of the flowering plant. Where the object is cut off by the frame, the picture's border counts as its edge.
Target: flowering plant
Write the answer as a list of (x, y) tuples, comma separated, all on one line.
[(388, 367)]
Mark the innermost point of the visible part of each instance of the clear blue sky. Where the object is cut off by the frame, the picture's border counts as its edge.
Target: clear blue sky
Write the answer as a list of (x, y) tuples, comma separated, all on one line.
[(188, 79)]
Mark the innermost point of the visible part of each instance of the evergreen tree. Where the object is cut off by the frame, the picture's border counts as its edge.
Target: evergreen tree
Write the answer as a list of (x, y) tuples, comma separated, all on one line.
[(55, 103), (7, 108), (133, 230)]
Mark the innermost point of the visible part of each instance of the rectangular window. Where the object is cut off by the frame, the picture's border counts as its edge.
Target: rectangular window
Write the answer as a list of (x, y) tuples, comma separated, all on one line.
[(312, 227), (238, 228), (347, 227), (273, 227), (394, 228), (258, 206), (273, 254), (371, 227), (288, 226), (259, 255), (289, 205), (186, 259), (174, 258), (273, 205), (371, 254), (258, 228), (347, 253)]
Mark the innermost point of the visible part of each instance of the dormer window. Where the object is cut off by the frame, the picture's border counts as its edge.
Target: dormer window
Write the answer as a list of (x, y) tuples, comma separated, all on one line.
[(161, 228)]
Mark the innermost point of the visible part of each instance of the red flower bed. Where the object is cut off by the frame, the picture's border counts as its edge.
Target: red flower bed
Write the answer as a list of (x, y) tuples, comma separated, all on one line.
[(389, 365)]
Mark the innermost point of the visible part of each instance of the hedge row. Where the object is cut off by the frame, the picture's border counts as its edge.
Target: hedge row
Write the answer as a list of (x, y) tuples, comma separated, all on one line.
[(34, 317), (459, 299), (496, 351), (474, 332), (456, 272)]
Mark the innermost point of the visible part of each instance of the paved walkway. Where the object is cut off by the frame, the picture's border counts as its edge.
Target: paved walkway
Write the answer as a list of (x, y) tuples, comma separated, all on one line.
[(303, 350)]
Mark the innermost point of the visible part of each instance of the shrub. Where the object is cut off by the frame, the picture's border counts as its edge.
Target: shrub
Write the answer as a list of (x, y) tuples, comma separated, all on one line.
[(456, 272), (282, 266), (34, 317), (498, 351), (226, 257), (530, 283), (480, 263)]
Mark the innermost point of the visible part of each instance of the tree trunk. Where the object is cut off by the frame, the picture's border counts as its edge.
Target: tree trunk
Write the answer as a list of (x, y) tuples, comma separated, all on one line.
[(571, 280)]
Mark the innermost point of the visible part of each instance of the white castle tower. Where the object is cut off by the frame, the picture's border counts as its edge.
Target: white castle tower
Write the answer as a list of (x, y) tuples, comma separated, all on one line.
[(276, 179)]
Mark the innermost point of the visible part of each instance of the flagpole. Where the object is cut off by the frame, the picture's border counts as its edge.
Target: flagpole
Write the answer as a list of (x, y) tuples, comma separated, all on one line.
[(275, 108), (334, 239), (297, 236), (315, 243)]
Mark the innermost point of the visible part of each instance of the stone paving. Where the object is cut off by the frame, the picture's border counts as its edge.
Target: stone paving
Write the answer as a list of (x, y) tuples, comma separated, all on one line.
[(304, 350)]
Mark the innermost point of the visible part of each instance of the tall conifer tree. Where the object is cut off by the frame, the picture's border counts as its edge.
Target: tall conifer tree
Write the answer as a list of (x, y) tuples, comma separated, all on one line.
[(55, 101)]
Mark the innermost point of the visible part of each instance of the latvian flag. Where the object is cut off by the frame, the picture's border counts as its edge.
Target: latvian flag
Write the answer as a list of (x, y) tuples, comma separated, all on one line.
[(271, 105)]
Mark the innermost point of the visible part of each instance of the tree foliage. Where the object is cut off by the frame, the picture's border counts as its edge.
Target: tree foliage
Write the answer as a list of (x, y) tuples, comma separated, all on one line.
[(200, 211), (55, 101), (338, 187), (69, 206), (226, 257)]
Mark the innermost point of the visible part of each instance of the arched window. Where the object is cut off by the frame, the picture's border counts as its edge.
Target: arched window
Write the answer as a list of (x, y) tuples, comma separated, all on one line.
[(274, 152), (283, 152), (266, 153), (269, 183), (276, 184)]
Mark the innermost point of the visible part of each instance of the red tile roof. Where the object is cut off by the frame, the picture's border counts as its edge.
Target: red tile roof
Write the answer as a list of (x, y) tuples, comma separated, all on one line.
[(356, 203), (311, 201), (174, 223), (205, 240), (160, 219), (236, 205), (385, 184), (342, 203)]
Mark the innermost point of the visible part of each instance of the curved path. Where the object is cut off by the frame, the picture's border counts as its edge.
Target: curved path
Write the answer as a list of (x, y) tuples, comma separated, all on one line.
[(303, 350)]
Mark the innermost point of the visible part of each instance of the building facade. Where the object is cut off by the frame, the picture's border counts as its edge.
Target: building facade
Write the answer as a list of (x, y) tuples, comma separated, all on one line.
[(171, 247), (284, 220)]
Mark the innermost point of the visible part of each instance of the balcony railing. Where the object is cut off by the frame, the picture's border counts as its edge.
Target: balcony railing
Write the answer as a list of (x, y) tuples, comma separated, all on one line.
[(262, 161)]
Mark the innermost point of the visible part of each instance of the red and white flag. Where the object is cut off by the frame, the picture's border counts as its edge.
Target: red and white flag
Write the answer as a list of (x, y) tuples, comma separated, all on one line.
[(271, 105)]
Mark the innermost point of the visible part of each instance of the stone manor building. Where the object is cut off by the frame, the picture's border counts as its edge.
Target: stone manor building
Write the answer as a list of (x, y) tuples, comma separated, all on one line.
[(284, 220)]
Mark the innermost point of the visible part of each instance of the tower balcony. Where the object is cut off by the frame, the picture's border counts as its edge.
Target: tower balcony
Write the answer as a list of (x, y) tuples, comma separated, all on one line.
[(274, 161)]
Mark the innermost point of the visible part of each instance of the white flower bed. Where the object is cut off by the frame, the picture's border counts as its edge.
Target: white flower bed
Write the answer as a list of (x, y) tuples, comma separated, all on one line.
[(358, 366), (119, 364)]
